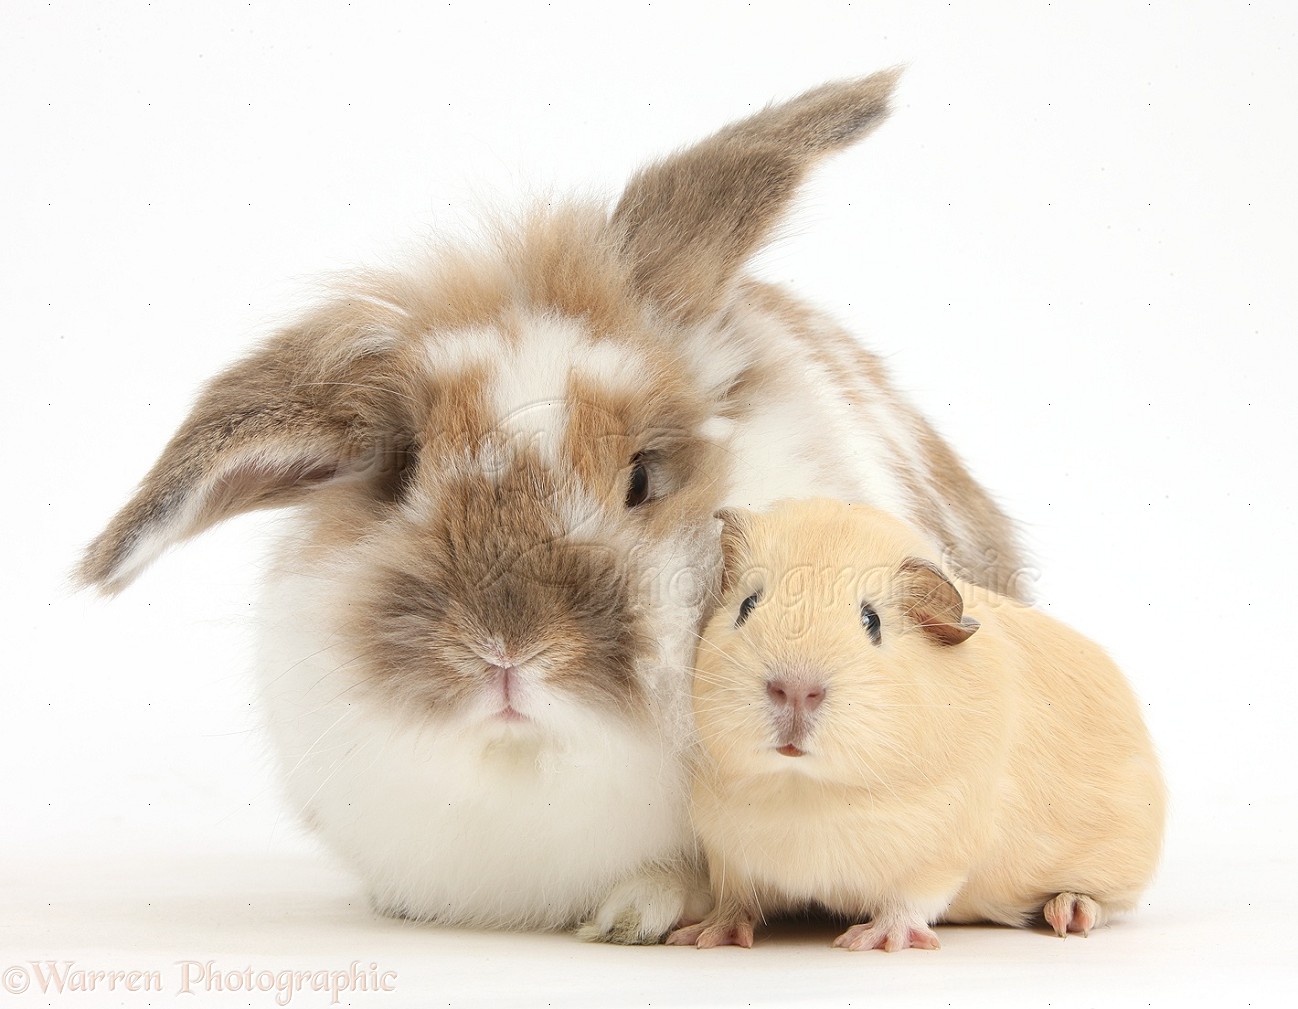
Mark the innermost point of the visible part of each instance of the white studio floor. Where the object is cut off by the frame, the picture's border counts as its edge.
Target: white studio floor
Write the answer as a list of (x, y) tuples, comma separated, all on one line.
[(1214, 933)]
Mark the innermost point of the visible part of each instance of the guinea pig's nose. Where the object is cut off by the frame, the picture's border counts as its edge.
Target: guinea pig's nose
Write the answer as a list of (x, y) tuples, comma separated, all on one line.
[(804, 697)]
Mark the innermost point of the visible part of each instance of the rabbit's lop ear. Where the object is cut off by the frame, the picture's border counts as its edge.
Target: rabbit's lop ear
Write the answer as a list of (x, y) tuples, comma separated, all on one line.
[(314, 405), (928, 598), (687, 224)]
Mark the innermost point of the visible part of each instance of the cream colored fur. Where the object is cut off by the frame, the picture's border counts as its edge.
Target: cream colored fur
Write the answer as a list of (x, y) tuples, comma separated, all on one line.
[(965, 782)]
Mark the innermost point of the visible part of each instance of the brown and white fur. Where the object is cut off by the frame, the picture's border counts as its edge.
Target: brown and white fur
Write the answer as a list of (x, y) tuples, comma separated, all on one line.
[(477, 640), (901, 749)]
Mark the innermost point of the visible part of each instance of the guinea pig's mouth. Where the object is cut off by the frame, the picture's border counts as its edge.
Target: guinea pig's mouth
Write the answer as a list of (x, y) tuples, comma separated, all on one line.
[(789, 750), (510, 714)]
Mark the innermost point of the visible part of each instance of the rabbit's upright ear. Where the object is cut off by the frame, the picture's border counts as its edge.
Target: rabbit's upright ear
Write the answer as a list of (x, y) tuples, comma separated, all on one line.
[(687, 224), (315, 404)]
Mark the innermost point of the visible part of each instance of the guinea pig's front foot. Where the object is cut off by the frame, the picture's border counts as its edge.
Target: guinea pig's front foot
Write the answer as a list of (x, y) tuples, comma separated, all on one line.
[(709, 933), (1072, 912), (890, 931), (729, 924)]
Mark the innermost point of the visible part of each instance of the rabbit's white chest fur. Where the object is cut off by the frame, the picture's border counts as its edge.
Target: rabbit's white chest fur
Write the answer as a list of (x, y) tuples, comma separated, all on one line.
[(478, 824)]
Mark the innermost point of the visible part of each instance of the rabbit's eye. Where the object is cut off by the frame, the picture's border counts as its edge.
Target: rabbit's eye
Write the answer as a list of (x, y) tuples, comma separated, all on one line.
[(870, 621), (746, 607), (637, 491)]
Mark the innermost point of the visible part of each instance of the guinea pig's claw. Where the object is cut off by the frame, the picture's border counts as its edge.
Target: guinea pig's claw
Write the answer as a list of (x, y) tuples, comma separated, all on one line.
[(688, 935), (705, 936), (1071, 912), (889, 936)]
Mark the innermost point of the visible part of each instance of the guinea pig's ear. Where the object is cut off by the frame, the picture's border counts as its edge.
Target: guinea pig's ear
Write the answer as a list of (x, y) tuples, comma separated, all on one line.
[(929, 599), (735, 523), (688, 223), (312, 406)]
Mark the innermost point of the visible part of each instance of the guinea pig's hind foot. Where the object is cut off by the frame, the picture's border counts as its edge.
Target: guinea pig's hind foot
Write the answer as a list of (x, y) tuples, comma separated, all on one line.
[(890, 932), (1072, 912)]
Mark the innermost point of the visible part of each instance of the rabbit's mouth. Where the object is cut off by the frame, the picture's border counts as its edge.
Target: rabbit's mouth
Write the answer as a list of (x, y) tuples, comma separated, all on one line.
[(506, 680)]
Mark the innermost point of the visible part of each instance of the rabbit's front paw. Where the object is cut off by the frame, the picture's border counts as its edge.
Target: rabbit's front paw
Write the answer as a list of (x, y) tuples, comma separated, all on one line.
[(643, 909)]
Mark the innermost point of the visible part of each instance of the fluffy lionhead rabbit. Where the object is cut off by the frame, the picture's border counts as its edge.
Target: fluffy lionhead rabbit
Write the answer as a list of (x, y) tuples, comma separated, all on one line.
[(477, 642)]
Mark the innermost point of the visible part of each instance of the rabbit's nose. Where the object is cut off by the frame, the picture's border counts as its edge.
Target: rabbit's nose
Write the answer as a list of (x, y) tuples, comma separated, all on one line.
[(795, 696), (499, 656)]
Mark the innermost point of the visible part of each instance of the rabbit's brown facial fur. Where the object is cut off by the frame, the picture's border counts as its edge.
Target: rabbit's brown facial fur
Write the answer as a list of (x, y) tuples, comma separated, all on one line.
[(488, 579), (513, 545)]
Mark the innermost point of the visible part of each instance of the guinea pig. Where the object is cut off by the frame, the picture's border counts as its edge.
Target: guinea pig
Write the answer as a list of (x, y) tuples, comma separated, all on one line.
[(477, 632), (901, 748)]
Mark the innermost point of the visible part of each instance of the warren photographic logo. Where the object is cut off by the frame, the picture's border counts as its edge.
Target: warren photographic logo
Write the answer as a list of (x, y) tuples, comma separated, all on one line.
[(199, 978)]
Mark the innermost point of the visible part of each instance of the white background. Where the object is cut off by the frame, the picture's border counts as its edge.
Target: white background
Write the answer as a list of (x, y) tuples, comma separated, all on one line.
[(1073, 242)]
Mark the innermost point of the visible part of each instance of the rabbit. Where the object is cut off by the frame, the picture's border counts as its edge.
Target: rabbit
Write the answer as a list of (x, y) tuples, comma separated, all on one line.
[(901, 749), (477, 634)]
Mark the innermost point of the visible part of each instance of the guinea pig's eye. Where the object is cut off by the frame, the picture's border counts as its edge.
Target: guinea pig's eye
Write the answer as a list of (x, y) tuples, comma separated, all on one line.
[(870, 621), (746, 607), (637, 491)]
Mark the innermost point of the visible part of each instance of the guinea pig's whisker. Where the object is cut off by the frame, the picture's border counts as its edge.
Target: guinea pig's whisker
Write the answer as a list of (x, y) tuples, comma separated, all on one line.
[(719, 685), (727, 735), (890, 706), (719, 733), (732, 739), (899, 751), (702, 639), (880, 778), (716, 649), (726, 706), (757, 902)]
